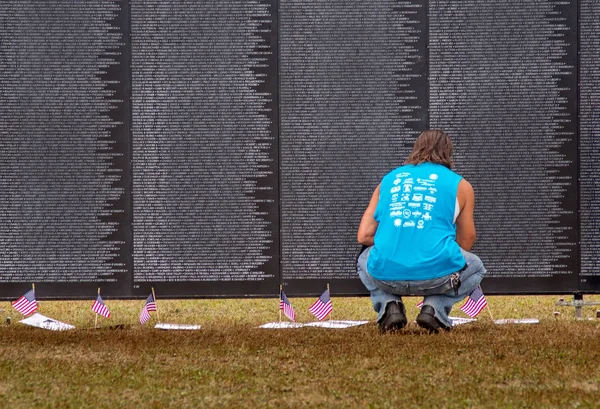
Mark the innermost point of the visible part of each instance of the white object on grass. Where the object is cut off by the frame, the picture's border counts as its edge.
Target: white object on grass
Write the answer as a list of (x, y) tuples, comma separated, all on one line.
[(40, 321), (336, 324), (166, 326), (282, 324), (459, 320), (518, 321)]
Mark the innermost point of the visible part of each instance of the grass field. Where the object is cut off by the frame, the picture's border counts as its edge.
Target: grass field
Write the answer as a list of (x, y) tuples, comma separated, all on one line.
[(230, 363)]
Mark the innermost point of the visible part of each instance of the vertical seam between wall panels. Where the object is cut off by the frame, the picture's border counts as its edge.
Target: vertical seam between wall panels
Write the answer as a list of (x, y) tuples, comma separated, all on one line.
[(277, 44), (129, 103), (427, 65), (578, 143)]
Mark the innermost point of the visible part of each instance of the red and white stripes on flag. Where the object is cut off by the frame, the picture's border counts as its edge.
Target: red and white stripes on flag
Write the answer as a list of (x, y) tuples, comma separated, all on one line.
[(150, 305), (100, 308), (475, 303), (286, 306), (322, 307), (420, 304), (26, 304)]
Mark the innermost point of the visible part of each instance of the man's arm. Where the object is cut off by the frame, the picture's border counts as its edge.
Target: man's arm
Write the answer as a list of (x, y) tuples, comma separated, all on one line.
[(368, 225), (465, 225)]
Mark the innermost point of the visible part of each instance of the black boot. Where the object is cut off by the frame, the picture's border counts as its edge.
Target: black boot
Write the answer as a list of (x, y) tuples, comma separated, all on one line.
[(394, 317), (426, 319)]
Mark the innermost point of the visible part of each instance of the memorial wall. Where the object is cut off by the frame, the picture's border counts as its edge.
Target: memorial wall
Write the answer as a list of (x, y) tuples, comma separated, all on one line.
[(352, 98), (204, 147), (589, 144), (503, 83), (64, 147), (224, 148)]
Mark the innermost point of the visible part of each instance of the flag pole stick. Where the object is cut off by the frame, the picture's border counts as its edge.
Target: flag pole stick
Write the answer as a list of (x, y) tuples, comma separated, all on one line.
[(487, 307), (155, 303), (280, 298), (331, 313), (96, 320), (36, 301)]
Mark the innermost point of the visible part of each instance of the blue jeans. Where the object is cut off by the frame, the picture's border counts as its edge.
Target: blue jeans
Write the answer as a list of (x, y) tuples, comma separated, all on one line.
[(442, 303)]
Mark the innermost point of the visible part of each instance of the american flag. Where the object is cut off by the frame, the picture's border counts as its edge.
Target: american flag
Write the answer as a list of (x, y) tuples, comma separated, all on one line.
[(284, 304), (100, 308), (420, 304), (475, 303), (322, 307), (149, 306), (26, 304)]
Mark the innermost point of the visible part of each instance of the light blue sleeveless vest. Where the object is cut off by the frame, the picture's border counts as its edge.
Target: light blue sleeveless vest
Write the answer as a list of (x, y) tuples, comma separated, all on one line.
[(416, 236)]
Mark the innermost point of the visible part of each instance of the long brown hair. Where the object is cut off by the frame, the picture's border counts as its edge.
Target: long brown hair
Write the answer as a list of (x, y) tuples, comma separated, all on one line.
[(432, 146)]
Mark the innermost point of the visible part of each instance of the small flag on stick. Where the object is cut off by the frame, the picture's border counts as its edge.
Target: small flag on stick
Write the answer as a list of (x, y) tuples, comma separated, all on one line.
[(322, 307), (475, 303), (100, 308), (155, 305), (286, 306), (26, 304), (150, 305)]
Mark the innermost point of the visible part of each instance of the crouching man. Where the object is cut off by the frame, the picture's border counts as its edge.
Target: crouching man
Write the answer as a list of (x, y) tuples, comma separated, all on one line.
[(417, 231)]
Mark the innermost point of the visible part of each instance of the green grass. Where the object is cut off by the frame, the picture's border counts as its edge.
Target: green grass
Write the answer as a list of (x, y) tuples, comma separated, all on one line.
[(231, 363)]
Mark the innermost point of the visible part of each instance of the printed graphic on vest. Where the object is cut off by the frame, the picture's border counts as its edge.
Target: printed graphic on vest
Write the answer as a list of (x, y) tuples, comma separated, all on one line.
[(413, 200)]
